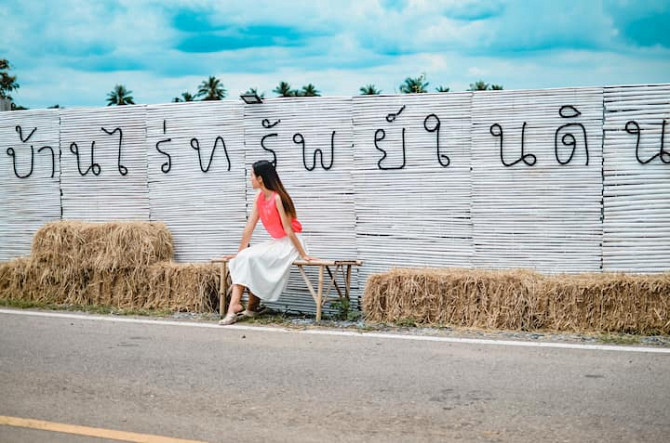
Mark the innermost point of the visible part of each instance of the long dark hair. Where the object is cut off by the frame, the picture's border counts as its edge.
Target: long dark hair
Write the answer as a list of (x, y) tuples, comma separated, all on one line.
[(265, 170)]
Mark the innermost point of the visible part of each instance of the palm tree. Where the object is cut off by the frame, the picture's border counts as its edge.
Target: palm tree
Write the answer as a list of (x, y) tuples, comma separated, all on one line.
[(185, 97), (309, 91), (479, 86), (483, 86), (120, 96), (442, 89), (284, 90), (7, 82), (211, 89), (369, 90), (255, 91), (414, 85)]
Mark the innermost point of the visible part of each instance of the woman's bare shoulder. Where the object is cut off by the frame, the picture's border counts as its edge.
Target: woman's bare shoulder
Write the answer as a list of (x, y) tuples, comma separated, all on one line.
[(279, 203)]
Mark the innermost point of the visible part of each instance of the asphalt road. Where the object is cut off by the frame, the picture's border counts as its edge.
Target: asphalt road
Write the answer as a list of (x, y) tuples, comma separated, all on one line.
[(220, 384)]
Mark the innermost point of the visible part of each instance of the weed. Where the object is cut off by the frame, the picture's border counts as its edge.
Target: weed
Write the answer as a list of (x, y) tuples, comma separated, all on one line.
[(92, 309), (270, 319), (371, 327), (406, 322), (620, 339), (342, 306), (354, 316)]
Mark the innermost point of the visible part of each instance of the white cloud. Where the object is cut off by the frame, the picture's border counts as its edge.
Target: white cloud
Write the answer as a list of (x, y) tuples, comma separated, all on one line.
[(72, 52), (477, 72)]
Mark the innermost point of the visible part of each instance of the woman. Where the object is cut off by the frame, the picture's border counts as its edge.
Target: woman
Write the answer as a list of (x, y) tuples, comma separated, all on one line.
[(264, 269)]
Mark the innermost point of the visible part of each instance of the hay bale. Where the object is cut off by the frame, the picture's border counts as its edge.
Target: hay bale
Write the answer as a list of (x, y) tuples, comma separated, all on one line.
[(521, 300), (122, 264), (46, 286), (183, 287), (13, 276), (608, 302), (123, 289), (463, 297), (69, 246), (165, 286), (22, 279)]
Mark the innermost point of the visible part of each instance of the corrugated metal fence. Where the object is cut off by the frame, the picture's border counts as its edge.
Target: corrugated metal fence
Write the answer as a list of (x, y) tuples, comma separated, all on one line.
[(559, 180)]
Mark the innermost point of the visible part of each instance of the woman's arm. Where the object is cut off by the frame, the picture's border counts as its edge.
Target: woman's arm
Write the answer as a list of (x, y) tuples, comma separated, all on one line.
[(248, 229), (286, 223)]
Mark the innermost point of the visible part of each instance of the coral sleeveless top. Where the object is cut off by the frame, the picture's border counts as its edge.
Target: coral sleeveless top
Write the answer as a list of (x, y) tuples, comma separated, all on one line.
[(267, 210)]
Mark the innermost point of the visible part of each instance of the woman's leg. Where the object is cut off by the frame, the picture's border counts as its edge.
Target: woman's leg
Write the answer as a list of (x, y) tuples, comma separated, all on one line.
[(253, 303), (235, 305)]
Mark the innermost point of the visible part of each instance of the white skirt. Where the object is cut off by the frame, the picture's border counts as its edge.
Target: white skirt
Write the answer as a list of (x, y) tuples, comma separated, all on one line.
[(264, 268)]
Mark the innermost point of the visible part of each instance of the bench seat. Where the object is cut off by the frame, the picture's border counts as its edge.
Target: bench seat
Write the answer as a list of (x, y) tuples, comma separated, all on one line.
[(320, 298)]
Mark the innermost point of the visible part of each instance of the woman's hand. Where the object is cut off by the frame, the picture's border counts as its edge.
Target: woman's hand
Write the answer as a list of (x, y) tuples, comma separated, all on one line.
[(230, 256), (308, 258)]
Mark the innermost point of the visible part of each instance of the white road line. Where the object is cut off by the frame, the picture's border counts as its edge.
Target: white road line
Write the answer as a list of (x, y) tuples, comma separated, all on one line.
[(377, 335)]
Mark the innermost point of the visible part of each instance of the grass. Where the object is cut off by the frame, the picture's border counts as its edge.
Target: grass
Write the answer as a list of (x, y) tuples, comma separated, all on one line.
[(91, 309), (284, 319), (273, 318), (620, 339), (407, 322)]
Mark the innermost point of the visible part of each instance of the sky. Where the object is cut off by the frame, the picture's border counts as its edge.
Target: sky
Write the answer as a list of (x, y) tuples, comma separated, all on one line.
[(73, 52)]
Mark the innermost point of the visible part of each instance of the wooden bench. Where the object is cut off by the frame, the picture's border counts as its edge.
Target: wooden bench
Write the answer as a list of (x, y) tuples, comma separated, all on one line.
[(320, 298)]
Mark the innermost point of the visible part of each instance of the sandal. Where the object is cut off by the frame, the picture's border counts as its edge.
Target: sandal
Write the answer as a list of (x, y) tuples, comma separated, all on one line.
[(229, 319), (251, 314)]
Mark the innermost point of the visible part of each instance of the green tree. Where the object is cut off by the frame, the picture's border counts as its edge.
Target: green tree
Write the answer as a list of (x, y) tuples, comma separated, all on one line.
[(211, 89), (483, 86), (284, 90), (369, 90), (480, 85), (120, 96), (185, 97), (255, 91), (442, 89), (7, 82), (414, 85), (309, 91)]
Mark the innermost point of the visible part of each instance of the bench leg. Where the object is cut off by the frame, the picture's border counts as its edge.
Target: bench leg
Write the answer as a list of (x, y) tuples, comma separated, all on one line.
[(308, 283), (223, 289), (319, 295), (333, 280)]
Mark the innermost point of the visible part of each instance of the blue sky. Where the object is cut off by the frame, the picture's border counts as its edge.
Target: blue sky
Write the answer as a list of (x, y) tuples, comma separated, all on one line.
[(73, 52)]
